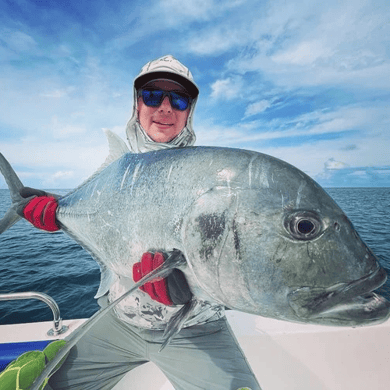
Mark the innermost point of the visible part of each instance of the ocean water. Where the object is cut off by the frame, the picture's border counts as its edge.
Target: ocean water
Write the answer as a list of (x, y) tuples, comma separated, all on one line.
[(32, 260)]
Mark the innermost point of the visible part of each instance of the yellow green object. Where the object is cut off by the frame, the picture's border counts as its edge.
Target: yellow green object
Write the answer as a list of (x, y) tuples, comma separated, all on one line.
[(21, 373)]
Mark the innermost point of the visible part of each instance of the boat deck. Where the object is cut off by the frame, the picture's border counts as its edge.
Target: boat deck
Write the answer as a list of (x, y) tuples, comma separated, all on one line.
[(283, 355)]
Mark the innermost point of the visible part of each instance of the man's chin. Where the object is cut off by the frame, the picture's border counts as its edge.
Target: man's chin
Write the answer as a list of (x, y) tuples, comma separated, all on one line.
[(161, 133), (161, 137)]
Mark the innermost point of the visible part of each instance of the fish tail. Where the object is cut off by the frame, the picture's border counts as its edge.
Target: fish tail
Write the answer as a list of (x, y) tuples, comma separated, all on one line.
[(14, 185)]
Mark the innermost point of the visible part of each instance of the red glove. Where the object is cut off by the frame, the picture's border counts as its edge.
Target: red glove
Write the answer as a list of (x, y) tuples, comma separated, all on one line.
[(172, 290), (40, 210)]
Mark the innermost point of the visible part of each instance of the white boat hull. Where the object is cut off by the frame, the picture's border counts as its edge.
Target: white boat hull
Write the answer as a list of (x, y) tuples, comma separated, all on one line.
[(282, 355)]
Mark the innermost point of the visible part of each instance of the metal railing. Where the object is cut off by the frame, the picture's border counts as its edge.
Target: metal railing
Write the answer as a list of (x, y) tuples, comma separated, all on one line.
[(58, 328)]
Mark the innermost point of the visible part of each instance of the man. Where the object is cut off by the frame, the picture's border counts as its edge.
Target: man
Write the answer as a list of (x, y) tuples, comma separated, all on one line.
[(205, 354)]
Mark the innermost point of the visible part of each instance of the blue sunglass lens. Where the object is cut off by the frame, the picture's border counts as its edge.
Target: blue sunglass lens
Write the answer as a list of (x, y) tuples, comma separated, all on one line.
[(179, 102), (153, 98)]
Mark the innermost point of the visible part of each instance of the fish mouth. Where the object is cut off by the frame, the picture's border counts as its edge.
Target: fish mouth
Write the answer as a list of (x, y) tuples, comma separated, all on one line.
[(344, 304)]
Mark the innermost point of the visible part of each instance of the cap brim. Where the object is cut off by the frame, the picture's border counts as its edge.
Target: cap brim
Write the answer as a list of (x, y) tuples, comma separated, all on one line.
[(190, 87)]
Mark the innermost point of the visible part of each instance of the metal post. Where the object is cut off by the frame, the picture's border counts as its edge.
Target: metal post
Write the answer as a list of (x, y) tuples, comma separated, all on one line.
[(58, 327)]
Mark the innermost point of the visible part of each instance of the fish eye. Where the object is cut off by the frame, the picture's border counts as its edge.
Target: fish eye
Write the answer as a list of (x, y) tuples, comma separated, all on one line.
[(303, 225)]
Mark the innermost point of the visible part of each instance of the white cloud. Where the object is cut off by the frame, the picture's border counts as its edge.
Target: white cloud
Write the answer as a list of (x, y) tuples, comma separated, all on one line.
[(332, 164), (58, 93), (174, 10), (61, 130), (134, 24), (226, 89), (18, 40), (315, 123), (61, 164), (60, 179), (173, 13), (347, 44), (304, 53), (257, 108), (54, 94), (62, 174), (216, 40), (359, 173), (367, 145), (209, 134)]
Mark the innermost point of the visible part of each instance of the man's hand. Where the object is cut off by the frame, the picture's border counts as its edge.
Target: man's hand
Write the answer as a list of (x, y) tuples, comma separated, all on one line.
[(39, 208), (172, 290)]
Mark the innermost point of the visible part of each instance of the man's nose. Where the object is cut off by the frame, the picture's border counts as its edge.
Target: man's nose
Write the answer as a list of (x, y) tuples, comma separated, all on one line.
[(165, 105)]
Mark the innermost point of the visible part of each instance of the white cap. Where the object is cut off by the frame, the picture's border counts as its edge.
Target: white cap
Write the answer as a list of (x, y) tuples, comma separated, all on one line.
[(167, 67)]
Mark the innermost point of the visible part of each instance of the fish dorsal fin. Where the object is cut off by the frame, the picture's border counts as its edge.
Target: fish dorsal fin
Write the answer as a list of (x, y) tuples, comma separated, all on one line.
[(117, 147)]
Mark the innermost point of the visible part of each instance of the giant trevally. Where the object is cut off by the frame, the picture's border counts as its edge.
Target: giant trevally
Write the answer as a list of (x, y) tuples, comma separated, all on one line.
[(258, 235)]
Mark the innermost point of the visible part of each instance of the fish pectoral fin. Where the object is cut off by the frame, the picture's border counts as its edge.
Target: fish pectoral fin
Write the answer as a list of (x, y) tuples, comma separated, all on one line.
[(107, 279), (177, 321)]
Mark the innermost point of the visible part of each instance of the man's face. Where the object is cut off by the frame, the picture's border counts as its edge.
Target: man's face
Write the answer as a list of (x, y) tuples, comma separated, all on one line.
[(162, 123)]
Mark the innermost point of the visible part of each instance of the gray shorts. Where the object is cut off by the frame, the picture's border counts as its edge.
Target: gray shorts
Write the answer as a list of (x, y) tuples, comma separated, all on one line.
[(203, 357)]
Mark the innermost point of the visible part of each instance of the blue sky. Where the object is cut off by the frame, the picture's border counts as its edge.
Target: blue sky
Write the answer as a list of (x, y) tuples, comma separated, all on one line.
[(304, 81)]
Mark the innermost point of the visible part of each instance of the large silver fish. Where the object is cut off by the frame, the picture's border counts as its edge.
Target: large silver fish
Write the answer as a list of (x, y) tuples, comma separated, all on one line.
[(258, 235)]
